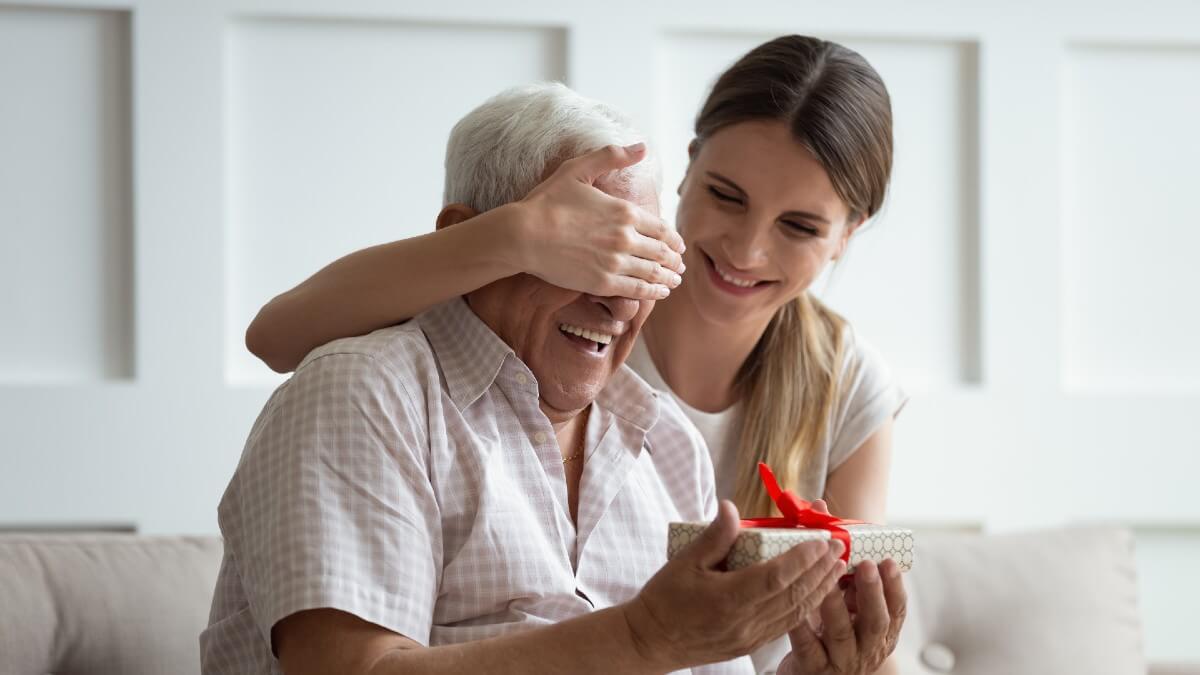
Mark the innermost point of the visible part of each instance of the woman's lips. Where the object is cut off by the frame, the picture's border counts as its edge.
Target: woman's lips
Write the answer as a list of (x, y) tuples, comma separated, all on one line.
[(732, 289)]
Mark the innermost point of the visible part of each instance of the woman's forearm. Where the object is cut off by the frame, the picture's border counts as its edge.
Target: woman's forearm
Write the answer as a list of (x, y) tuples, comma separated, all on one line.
[(384, 285), (565, 231)]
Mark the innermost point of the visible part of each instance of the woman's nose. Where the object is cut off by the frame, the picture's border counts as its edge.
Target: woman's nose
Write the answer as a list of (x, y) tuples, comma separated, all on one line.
[(746, 247)]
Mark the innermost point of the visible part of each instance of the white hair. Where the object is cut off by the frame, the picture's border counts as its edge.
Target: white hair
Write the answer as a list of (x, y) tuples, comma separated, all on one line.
[(502, 149)]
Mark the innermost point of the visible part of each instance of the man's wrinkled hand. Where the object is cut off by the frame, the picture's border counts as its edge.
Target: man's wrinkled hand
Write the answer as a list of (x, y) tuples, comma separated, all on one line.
[(855, 629), (694, 612)]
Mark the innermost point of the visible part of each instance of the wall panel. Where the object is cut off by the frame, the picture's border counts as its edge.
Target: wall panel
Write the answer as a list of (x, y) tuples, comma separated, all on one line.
[(65, 190), (1131, 220)]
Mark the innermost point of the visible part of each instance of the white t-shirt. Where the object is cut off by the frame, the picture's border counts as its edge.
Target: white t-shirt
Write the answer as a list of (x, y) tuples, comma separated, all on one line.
[(869, 395)]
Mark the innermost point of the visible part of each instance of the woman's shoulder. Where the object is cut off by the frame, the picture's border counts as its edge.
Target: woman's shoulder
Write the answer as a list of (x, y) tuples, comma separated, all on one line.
[(861, 359)]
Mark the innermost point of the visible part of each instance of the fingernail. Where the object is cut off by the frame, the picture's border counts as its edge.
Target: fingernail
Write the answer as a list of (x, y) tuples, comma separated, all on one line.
[(839, 568), (663, 292), (682, 268), (677, 279), (836, 547), (636, 147)]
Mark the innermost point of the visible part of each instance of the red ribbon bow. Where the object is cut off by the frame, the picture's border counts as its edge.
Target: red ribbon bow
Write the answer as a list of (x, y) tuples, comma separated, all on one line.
[(798, 513)]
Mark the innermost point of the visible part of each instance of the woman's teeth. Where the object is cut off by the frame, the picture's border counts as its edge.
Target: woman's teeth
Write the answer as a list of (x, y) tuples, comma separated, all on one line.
[(600, 338), (741, 283)]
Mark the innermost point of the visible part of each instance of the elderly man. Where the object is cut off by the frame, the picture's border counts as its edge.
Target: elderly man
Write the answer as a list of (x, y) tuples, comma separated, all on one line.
[(486, 488)]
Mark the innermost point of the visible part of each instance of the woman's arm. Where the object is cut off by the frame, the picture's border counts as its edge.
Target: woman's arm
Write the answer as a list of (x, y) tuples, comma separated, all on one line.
[(565, 231), (380, 286), (858, 488)]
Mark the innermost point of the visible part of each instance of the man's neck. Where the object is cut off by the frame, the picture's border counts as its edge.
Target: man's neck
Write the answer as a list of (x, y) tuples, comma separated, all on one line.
[(561, 419), (570, 428)]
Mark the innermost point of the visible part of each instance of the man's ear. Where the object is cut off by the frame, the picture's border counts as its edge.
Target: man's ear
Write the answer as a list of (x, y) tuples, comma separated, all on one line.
[(455, 213)]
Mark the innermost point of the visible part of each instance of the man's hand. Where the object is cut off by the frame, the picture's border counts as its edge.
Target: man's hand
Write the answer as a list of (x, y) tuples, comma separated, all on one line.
[(857, 629), (694, 612)]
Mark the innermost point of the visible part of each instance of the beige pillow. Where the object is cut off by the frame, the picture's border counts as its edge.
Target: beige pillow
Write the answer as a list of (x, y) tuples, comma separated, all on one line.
[(102, 604), (1054, 603)]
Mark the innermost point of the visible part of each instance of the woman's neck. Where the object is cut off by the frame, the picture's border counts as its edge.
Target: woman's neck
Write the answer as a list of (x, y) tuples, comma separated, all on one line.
[(698, 359)]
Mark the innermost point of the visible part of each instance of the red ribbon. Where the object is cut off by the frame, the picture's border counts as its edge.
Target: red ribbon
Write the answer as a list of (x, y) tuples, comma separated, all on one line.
[(798, 513)]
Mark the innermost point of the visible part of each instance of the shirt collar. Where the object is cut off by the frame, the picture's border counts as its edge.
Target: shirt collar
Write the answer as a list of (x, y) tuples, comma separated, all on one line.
[(471, 357), (628, 397), (467, 350)]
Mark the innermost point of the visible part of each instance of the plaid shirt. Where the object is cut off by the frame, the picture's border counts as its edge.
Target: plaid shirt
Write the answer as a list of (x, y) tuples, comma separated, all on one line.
[(410, 478)]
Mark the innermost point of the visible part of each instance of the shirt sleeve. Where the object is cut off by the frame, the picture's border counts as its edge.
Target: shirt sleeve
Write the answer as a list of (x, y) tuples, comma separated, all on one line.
[(869, 396), (334, 507)]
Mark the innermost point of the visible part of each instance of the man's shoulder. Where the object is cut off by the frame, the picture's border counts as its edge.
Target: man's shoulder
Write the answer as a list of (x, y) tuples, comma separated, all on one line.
[(385, 373), (401, 350)]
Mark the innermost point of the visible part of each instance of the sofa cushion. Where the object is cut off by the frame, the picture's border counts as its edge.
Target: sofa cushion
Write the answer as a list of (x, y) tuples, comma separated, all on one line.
[(102, 604), (1053, 602)]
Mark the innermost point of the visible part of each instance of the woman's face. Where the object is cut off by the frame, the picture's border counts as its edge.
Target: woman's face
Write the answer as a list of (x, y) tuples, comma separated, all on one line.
[(761, 220)]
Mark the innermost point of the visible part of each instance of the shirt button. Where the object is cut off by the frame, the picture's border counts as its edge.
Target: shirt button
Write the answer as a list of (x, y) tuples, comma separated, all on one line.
[(521, 379), (539, 437)]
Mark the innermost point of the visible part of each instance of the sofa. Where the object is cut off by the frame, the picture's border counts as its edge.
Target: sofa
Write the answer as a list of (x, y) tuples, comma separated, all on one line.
[(1054, 603)]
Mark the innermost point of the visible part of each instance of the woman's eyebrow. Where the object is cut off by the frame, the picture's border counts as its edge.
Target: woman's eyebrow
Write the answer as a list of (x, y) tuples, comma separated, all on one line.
[(787, 214)]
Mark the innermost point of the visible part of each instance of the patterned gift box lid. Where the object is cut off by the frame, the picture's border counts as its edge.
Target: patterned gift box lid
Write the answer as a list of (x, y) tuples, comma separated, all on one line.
[(764, 538), (756, 544)]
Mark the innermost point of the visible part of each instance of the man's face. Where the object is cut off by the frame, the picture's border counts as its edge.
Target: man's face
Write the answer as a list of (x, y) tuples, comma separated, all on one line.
[(573, 342)]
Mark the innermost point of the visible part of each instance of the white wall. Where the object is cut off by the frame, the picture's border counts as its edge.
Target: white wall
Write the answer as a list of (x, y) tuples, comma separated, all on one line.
[(166, 166)]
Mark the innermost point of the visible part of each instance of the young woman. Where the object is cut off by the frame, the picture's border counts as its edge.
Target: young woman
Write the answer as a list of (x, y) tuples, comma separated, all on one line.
[(792, 154)]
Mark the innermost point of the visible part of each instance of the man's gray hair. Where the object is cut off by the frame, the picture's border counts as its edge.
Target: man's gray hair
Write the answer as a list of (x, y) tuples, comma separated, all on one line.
[(502, 149)]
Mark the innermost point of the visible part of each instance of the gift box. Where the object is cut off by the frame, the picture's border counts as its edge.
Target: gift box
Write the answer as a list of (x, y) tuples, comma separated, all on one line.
[(764, 538)]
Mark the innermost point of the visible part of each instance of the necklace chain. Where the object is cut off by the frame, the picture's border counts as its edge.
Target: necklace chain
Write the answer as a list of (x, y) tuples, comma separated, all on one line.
[(579, 452)]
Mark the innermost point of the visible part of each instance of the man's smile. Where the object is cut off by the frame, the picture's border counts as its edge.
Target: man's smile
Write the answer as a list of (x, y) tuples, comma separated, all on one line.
[(593, 340)]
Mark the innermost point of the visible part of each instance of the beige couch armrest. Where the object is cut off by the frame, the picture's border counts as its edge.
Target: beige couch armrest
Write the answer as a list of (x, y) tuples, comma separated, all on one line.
[(1174, 669)]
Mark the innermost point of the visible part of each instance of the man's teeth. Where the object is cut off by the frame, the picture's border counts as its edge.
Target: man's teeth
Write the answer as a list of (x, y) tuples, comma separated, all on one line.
[(733, 280), (602, 338)]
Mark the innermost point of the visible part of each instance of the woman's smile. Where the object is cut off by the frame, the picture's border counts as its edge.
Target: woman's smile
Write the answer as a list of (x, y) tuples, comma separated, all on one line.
[(776, 226), (732, 282)]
